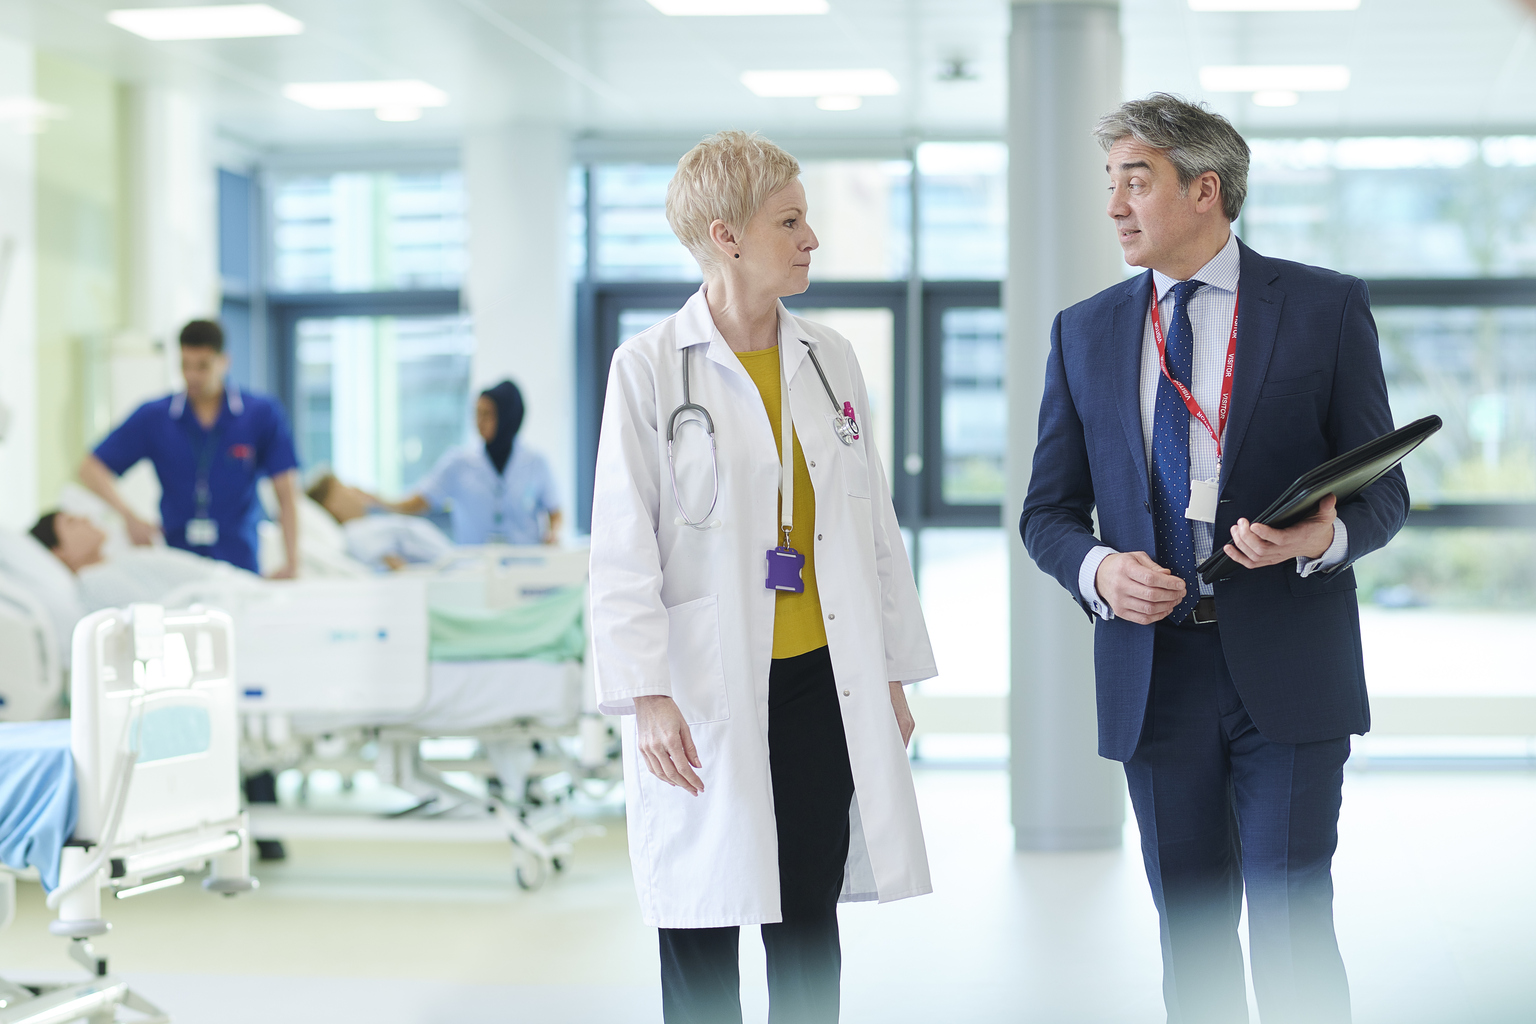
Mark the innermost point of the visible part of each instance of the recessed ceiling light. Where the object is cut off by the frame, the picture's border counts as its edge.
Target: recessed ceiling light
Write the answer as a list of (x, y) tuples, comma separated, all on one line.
[(1274, 5), (1269, 77), (839, 102), (716, 8), (401, 95), (1276, 98), (228, 21), (865, 82), (398, 113)]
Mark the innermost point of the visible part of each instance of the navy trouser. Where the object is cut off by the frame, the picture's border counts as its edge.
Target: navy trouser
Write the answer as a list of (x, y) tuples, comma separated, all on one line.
[(1220, 806), (812, 790)]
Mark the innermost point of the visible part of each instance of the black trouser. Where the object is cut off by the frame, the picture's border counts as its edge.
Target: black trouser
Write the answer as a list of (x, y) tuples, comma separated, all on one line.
[(812, 789)]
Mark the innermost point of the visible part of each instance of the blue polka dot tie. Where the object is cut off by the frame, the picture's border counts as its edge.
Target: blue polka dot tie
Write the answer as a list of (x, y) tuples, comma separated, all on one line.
[(1170, 456)]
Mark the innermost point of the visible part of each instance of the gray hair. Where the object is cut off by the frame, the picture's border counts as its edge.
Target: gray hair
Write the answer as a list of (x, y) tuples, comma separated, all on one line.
[(1195, 138)]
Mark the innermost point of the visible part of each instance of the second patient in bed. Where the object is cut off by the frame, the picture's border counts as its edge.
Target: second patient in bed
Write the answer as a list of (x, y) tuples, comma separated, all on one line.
[(376, 537), (131, 576)]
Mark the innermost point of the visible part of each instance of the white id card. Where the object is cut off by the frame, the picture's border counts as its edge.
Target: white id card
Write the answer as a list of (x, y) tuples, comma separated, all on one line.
[(1202, 501), (202, 533)]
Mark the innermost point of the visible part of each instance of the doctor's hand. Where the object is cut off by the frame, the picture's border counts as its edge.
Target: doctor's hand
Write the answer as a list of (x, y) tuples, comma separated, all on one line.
[(904, 720), (1255, 545), (1137, 588), (666, 744), (141, 533)]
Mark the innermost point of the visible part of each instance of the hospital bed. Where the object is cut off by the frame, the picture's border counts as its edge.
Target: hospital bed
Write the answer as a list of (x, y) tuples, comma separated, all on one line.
[(137, 789), (31, 676), (486, 650)]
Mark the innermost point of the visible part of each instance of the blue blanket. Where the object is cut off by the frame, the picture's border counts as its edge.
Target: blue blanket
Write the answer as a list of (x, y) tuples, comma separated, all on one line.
[(38, 800)]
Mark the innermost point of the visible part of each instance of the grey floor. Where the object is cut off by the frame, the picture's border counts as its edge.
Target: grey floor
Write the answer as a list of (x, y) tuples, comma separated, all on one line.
[(1436, 906)]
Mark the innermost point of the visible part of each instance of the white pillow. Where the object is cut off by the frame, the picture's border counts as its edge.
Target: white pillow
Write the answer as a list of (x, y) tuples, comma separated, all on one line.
[(35, 569)]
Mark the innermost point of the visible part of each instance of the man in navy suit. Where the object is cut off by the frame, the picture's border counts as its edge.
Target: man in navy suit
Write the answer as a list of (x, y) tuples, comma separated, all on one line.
[(1177, 404)]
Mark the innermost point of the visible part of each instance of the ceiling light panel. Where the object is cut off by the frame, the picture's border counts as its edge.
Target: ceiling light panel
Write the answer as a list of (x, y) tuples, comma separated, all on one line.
[(230, 21), (864, 82), (1274, 5), (1274, 78), (719, 8), (400, 95)]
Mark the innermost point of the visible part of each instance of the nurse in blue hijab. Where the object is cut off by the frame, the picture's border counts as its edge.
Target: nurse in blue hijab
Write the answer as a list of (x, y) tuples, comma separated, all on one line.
[(498, 491)]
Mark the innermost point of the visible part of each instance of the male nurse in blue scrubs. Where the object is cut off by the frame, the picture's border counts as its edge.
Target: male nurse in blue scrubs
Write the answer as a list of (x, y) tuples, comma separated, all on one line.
[(209, 445)]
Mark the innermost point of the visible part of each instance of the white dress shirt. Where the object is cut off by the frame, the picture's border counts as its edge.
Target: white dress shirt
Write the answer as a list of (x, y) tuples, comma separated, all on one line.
[(1210, 314)]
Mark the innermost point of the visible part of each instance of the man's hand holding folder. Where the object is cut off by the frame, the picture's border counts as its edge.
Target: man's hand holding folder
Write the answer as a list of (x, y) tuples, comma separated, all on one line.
[(1255, 545)]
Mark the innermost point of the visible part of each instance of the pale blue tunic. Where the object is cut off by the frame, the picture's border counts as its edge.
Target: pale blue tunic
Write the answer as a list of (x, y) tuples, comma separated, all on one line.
[(486, 506)]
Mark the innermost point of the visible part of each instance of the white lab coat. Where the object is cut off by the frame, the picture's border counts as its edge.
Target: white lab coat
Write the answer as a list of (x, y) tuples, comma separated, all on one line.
[(684, 612)]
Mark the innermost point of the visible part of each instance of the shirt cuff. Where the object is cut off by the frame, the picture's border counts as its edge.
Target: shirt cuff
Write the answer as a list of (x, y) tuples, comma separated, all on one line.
[(1336, 555), (1087, 583)]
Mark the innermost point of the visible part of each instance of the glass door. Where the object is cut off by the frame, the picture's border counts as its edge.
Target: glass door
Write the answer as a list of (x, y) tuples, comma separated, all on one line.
[(379, 399)]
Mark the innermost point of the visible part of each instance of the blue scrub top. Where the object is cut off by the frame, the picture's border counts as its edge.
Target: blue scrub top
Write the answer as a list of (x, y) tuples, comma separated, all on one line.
[(249, 440), (465, 481)]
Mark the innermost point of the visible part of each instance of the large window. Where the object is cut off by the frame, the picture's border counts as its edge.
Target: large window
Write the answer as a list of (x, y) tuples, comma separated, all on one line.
[(1444, 230), (1398, 207), (361, 305), (367, 231), (380, 398)]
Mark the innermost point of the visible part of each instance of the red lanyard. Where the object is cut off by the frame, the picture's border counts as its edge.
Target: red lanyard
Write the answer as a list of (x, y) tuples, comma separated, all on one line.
[(1198, 413)]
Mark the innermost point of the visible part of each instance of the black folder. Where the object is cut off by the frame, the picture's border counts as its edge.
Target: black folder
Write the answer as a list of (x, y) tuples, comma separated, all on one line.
[(1344, 476)]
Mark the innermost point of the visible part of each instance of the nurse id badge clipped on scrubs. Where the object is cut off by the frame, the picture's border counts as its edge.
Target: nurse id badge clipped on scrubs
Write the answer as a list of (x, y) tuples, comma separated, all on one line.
[(784, 562), (202, 533)]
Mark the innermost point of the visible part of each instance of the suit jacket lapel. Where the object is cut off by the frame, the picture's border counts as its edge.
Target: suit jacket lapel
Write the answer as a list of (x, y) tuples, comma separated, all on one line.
[(1126, 332), (1258, 321)]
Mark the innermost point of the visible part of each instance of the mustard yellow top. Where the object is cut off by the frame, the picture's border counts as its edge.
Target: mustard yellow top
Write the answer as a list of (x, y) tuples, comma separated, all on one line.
[(797, 625)]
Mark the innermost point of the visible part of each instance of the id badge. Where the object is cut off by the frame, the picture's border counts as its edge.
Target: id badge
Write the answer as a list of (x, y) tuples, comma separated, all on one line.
[(1202, 501), (202, 533), (784, 565)]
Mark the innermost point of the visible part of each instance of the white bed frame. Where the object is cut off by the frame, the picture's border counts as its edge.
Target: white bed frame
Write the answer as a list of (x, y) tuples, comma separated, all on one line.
[(371, 636), (31, 678), (148, 815)]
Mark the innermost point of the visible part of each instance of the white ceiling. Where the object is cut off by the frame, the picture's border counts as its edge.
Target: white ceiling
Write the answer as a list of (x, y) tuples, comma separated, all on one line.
[(618, 69), (1416, 65)]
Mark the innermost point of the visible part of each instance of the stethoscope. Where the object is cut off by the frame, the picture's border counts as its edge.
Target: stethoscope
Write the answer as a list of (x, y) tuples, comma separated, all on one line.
[(844, 424)]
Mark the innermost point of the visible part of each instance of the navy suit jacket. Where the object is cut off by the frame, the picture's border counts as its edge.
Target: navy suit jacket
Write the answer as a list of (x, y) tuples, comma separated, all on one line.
[(1308, 386)]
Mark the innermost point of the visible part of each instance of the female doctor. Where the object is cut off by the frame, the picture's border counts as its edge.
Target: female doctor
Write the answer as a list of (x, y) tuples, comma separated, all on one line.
[(756, 646)]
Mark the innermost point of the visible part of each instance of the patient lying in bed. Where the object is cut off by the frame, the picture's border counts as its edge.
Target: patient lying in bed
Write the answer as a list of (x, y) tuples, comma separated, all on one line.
[(138, 575), (381, 539)]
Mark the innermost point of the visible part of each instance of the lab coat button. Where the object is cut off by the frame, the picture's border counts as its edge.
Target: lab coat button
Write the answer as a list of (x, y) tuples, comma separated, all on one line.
[(846, 693), (813, 463), (831, 616)]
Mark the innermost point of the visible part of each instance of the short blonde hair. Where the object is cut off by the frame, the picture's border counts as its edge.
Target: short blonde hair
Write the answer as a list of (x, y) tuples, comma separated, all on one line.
[(726, 177)]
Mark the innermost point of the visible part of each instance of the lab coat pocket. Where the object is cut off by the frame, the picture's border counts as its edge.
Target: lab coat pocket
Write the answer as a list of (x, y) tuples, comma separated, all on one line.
[(694, 661)]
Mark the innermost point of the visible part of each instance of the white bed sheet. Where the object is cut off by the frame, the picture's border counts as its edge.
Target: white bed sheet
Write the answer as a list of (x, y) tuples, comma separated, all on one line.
[(470, 695)]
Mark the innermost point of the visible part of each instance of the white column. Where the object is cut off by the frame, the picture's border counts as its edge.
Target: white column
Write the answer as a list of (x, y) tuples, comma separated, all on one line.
[(519, 284), (172, 203), (19, 118), (171, 273), (1064, 73)]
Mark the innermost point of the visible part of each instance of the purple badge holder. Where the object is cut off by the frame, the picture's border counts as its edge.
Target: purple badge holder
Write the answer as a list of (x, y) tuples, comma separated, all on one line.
[(784, 565)]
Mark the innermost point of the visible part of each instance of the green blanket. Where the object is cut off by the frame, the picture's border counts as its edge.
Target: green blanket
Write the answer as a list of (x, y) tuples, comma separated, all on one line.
[(552, 628)]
